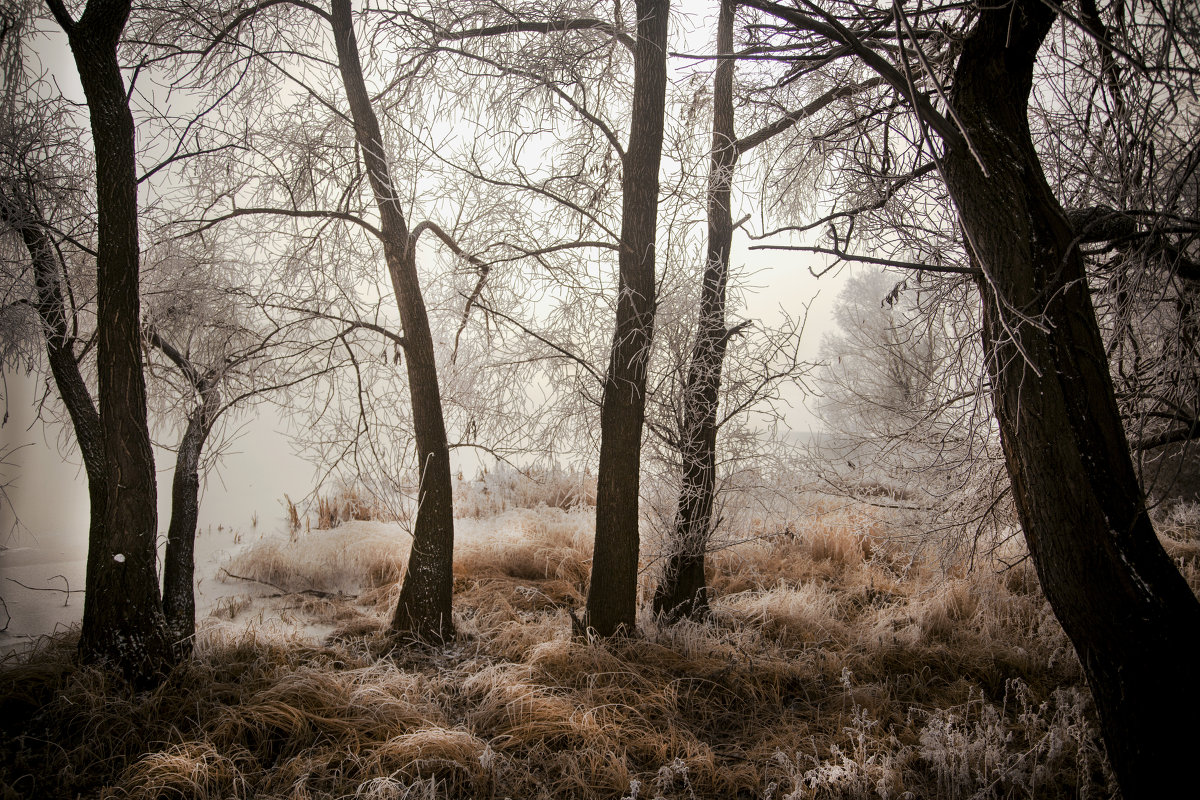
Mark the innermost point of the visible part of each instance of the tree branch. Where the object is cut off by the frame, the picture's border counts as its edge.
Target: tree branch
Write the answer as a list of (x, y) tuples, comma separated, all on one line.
[(844, 256), (250, 12), (896, 185), (561, 350), (282, 212), (752, 140), (829, 27), (552, 26), (449, 241), (1175, 436)]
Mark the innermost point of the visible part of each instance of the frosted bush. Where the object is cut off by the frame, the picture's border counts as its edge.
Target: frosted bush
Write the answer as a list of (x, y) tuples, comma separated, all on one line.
[(1052, 749), (1184, 514), (1180, 528), (1019, 749), (672, 776), (868, 766)]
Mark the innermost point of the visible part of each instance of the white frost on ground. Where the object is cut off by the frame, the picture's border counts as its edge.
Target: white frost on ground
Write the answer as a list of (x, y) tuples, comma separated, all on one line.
[(32, 613), (284, 565), (35, 613)]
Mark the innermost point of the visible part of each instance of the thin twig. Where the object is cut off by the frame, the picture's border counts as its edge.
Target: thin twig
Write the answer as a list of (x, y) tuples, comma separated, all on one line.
[(67, 583), (229, 574), (282, 591), (68, 591)]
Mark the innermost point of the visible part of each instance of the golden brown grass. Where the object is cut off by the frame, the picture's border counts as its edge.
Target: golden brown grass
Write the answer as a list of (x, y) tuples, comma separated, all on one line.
[(358, 553), (833, 665), (495, 491)]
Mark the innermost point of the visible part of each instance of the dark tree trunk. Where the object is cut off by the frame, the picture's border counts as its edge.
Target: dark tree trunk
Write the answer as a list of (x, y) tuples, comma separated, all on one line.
[(612, 595), (1131, 617), (424, 608), (60, 353), (179, 566), (122, 615), (64, 366), (683, 591)]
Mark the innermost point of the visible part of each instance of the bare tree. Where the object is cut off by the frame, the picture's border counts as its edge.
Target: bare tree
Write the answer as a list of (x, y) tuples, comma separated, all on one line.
[(683, 590), (130, 633), (223, 354), (612, 593), (1121, 600), (424, 608), (191, 313)]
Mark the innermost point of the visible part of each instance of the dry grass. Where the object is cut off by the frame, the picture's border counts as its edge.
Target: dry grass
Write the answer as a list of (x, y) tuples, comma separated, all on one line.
[(495, 491), (832, 666), (349, 504), (324, 561)]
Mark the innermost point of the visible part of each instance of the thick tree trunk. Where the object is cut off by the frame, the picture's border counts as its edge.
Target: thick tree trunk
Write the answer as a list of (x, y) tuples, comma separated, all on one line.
[(424, 608), (612, 595), (122, 615), (1131, 617), (683, 591)]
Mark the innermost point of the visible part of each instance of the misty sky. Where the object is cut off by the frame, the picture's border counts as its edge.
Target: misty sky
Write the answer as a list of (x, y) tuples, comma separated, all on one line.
[(47, 486)]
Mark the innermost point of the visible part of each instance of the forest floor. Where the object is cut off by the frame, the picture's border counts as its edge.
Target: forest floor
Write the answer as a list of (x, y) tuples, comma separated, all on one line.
[(835, 664)]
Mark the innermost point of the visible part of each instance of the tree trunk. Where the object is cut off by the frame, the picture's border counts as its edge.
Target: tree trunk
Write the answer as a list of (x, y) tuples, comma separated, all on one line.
[(179, 566), (64, 367), (1130, 615), (612, 595), (683, 591), (424, 608), (122, 615)]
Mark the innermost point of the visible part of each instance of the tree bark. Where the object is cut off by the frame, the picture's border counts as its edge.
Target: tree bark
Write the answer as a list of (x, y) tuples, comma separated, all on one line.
[(612, 594), (424, 607), (179, 566), (64, 365), (1130, 615), (122, 617), (683, 591)]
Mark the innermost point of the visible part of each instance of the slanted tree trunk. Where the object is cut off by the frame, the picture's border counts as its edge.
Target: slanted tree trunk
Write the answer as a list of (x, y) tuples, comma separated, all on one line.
[(122, 614), (64, 365), (1133, 620), (424, 608), (612, 594), (683, 591), (179, 566)]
